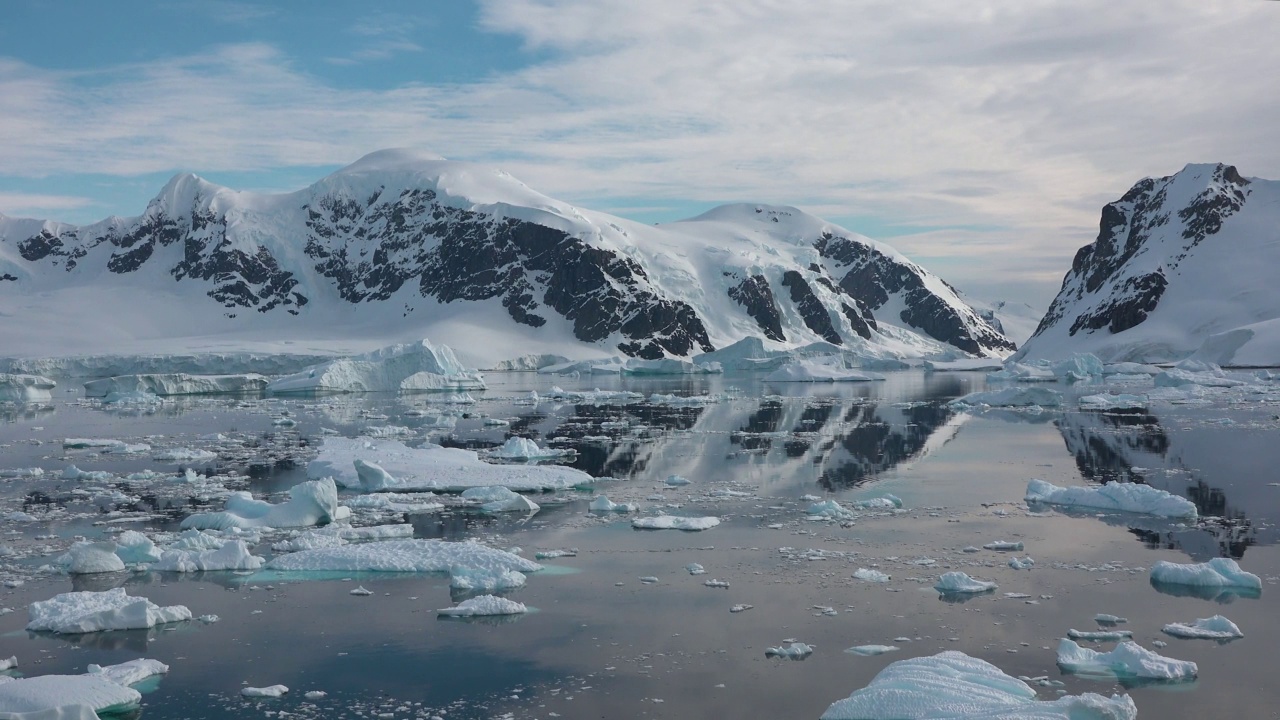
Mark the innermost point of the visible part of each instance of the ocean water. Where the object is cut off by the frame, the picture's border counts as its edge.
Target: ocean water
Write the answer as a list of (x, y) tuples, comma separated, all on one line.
[(598, 641)]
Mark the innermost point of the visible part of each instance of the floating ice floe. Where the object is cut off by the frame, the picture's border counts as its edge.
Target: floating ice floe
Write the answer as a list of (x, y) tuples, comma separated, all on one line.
[(671, 522), (64, 697), (832, 510), (338, 535), (1011, 397), (1116, 496), (497, 499), (602, 504), (134, 547), (86, 612), (429, 468), (669, 366), (141, 400), (411, 367), (1114, 402), (593, 397), (1107, 619), (884, 502), (271, 691), (1217, 573), (1129, 661), (25, 388), (868, 575), (954, 686), (129, 673), (184, 455), (695, 569), (872, 650), (1003, 546), (677, 481), (1211, 628), (310, 503), (1025, 563), (794, 651), (163, 384), (1099, 635), (467, 561), (232, 555), (395, 502), (814, 371), (529, 363), (484, 605), (1020, 372), (87, 558), (964, 365), (518, 448), (684, 400), (594, 366), (957, 582)]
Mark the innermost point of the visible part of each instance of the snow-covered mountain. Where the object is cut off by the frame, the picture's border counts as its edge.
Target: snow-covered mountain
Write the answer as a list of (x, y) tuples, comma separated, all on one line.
[(1182, 264), (401, 245)]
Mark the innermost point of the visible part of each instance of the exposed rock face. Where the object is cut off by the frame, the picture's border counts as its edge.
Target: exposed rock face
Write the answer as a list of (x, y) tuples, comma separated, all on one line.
[(1165, 248), (754, 295)]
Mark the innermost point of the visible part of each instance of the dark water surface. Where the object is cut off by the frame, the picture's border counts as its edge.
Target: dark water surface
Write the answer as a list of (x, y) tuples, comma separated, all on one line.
[(601, 643)]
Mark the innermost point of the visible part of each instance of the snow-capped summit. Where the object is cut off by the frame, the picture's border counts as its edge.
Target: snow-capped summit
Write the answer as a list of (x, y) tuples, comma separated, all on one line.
[(400, 245), (1179, 262)]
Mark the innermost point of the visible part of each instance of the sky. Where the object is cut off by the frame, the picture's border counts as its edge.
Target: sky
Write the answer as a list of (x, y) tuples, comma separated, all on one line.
[(980, 138)]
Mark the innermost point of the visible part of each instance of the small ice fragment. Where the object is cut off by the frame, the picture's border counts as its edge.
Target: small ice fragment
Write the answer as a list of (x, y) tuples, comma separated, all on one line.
[(959, 582), (716, 584), (1004, 546), (648, 580), (315, 694), (1025, 563), (1100, 635), (794, 651), (740, 608), (361, 591), (9, 663), (695, 569), (870, 650), (676, 480), (671, 522), (271, 691), (485, 605), (970, 549), (1105, 619), (868, 575)]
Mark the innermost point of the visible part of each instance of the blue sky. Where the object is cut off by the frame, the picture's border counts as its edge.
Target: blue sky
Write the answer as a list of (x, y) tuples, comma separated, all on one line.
[(981, 138)]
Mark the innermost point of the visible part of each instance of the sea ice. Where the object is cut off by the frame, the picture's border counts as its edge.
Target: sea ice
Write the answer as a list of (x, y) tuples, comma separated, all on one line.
[(484, 605), (418, 366), (1025, 563), (1218, 572), (593, 397), (964, 365), (134, 547), (233, 555), (1105, 619), (954, 686), (183, 455), (1116, 496), (1129, 661), (1012, 397), (310, 503), (163, 384), (1211, 628), (25, 388), (669, 366), (670, 522), (884, 502), (1078, 368), (677, 480), (526, 363), (431, 467), (1211, 378), (831, 509), (1003, 546), (86, 612), (1021, 372), (957, 582)]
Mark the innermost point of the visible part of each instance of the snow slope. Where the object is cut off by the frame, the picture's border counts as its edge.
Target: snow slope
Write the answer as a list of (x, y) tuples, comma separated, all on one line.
[(1178, 261), (400, 245)]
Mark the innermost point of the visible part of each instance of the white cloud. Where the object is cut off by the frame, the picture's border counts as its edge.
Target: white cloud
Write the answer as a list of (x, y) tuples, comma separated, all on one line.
[(17, 204), (1020, 116)]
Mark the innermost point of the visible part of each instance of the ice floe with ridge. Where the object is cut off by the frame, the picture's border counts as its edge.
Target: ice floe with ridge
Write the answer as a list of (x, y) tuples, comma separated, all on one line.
[(17, 388), (1116, 496), (310, 503), (88, 611), (1210, 628), (429, 468), (1128, 661), (411, 367), (955, 686), (165, 384)]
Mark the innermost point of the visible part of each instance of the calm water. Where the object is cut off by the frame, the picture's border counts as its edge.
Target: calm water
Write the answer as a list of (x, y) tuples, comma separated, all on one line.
[(603, 644)]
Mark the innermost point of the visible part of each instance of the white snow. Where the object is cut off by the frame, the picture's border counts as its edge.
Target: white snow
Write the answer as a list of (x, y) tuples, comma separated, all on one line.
[(1218, 572), (954, 686), (959, 582), (1017, 396), (86, 612), (1119, 497), (310, 503), (417, 367), (1210, 628), (671, 522), (1127, 661), (484, 605), (164, 384), (18, 388), (430, 467)]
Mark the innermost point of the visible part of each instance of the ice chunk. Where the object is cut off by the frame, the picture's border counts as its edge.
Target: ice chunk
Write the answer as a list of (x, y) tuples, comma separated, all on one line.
[(499, 499), (233, 555), (431, 467), (1105, 619), (602, 504), (463, 577), (396, 502), (831, 509), (695, 569), (1012, 397), (954, 686), (184, 455), (965, 365), (868, 575), (87, 558), (404, 556), (794, 651), (1019, 372), (677, 480), (176, 384), (134, 547), (1121, 497), (1211, 628), (271, 691), (1078, 368), (518, 448), (1099, 635), (335, 536), (885, 502), (669, 366), (8, 663), (817, 371), (1114, 402), (525, 363), (484, 605), (593, 397), (958, 582), (25, 388), (86, 612), (671, 522), (1129, 661), (64, 697), (131, 672), (1003, 546), (871, 650), (391, 369), (1179, 378), (310, 503), (1217, 573), (1025, 563)]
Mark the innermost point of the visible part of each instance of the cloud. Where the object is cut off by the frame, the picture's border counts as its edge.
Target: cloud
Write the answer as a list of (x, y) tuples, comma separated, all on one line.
[(1022, 117), (33, 204)]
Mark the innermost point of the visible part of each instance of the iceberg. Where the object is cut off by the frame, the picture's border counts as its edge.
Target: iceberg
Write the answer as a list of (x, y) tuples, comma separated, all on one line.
[(497, 499), (831, 509), (794, 651), (134, 547), (16, 388), (271, 691), (602, 504), (964, 365), (1129, 661), (176, 384), (64, 697), (815, 371), (669, 366), (594, 366), (430, 468), (129, 673), (310, 503), (1020, 372), (418, 366), (1114, 402), (404, 556), (484, 605), (528, 363), (87, 558), (1119, 497), (1217, 573), (462, 577), (747, 354), (670, 522), (233, 555), (86, 612), (1011, 397), (1209, 378), (1080, 367), (518, 448), (954, 686), (868, 575), (1211, 628), (956, 582)]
